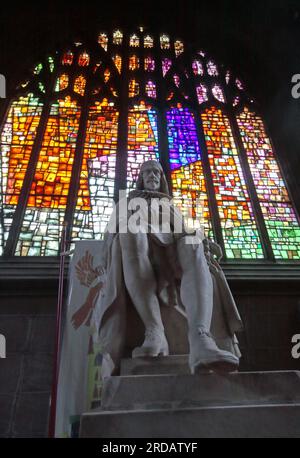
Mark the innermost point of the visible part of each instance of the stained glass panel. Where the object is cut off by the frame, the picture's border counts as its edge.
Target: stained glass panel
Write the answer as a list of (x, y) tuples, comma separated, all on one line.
[(151, 89), (97, 178), (179, 47), (280, 218), (84, 59), (134, 41), (62, 82), (197, 67), (212, 68), (118, 62), (133, 62), (164, 42), (149, 64), (117, 37), (42, 224), (103, 40), (188, 183), (142, 140), (134, 88), (67, 58), (79, 85), (235, 209), (17, 139), (148, 42), (218, 93), (202, 93), (166, 65)]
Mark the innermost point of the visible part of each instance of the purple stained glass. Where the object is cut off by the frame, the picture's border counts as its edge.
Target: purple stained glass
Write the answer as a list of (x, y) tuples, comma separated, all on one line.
[(182, 135)]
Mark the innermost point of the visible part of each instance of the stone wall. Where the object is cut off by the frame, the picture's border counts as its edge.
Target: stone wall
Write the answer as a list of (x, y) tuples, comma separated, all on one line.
[(270, 310)]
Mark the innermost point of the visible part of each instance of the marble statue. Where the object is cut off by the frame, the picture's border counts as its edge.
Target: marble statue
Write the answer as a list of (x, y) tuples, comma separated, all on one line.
[(160, 268)]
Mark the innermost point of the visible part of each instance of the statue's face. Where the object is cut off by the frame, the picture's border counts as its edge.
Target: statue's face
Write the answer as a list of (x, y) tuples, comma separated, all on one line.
[(151, 177)]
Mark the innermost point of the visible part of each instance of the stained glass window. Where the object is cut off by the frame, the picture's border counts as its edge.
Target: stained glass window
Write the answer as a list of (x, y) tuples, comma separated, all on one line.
[(280, 218), (117, 37), (202, 93), (17, 139), (148, 42), (84, 59), (218, 93), (62, 83), (118, 62), (142, 140), (176, 80), (197, 67), (149, 64), (151, 89), (134, 88), (68, 58), (236, 214), (166, 65), (239, 84), (134, 41), (212, 68), (44, 215), (79, 85), (164, 42), (179, 47), (37, 70), (66, 142), (103, 40), (97, 178), (133, 62), (188, 183), (106, 75)]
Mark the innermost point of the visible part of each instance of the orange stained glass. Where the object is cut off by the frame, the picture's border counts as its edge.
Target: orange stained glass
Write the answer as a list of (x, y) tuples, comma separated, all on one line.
[(79, 85), (106, 75), (62, 82), (134, 88), (17, 139), (134, 62), (52, 177)]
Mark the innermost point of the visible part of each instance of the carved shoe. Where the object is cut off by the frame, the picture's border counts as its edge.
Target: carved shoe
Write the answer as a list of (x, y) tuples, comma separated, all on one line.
[(155, 344), (204, 354)]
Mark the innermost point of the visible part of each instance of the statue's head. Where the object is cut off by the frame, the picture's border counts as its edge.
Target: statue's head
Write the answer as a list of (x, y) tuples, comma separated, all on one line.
[(152, 178)]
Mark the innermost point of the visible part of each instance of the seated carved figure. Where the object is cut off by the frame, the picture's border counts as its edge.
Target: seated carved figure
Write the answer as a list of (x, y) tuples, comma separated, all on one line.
[(158, 268)]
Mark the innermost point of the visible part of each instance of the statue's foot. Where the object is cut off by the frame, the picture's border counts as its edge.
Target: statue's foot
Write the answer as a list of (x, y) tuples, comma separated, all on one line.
[(155, 344), (204, 354)]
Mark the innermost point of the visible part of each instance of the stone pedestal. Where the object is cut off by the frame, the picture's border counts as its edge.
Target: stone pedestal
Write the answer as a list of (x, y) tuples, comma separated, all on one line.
[(159, 398)]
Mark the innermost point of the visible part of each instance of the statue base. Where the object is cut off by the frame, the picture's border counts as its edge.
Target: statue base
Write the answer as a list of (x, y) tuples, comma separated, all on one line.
[(157, 397)]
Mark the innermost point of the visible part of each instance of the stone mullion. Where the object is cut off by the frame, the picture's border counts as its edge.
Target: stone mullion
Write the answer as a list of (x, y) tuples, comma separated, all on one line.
[(162, 127), (122, 138)]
